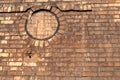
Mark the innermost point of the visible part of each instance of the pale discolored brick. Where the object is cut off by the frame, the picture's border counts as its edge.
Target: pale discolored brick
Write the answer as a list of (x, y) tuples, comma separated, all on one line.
[(1, 50), (41, 0), (1, 68), (7, 22), (3, 41), (29, 64), (29, 0), (21, 8), (83, 78), (4, 54), (17, 78), (15, 63)]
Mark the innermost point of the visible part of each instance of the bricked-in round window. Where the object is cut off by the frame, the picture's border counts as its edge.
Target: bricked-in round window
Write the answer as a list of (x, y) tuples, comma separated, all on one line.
[(42, 25)]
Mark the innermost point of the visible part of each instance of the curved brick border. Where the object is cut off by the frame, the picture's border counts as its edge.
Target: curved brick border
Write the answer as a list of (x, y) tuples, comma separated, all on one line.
[(45, 42)]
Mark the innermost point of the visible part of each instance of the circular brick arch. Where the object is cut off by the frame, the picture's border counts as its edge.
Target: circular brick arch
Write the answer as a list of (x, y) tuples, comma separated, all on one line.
[(51, 28)]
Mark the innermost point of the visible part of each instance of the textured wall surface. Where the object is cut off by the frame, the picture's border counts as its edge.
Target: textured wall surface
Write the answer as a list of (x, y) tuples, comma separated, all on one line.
[(88, 48)]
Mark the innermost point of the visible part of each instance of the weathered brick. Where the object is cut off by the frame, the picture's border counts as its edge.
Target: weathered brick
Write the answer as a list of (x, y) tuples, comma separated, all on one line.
[(29, 64), (17, 78), (29, 0), (42, 0), (15, 63), (1, 50), (3, 42), (1, 68), (4, 54), (7, 22)]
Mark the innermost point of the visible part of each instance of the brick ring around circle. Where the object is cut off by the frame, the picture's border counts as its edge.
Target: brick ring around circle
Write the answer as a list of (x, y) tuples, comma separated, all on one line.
[(42, 25)]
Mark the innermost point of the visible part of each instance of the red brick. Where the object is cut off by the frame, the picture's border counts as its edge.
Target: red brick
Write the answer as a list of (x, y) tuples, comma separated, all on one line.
[(14, 73), (105, 74), (89, 74)]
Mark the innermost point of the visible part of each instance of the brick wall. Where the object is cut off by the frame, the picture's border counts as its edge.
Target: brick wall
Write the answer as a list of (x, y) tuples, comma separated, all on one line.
[(88, 48)]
